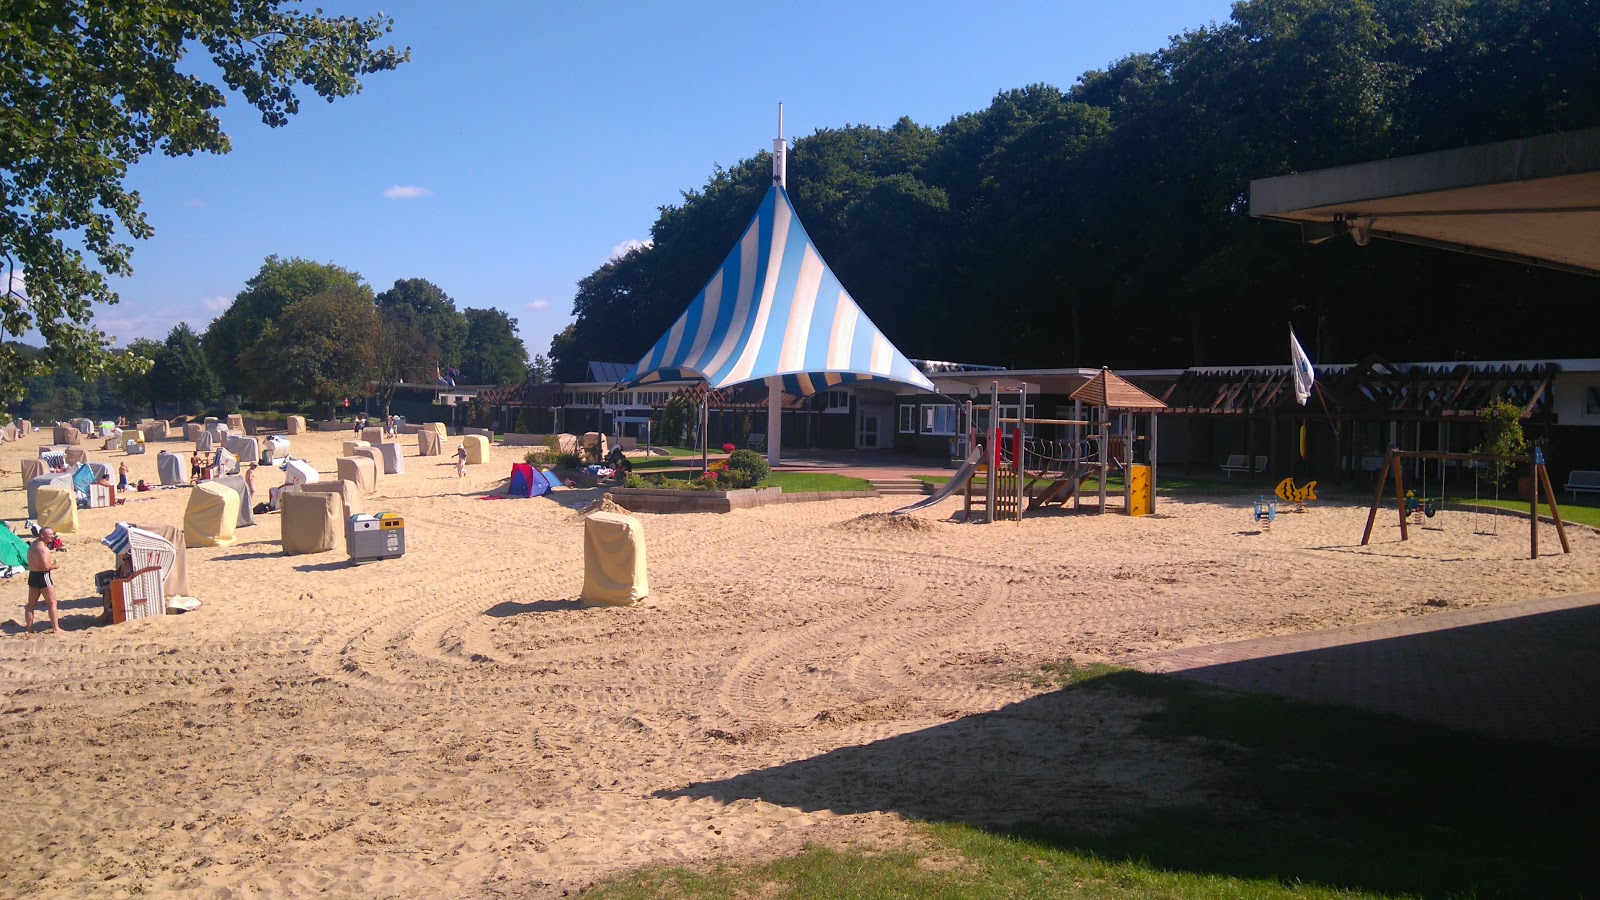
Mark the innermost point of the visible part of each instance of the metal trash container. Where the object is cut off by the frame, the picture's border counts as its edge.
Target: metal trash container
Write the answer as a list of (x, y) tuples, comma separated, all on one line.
[(369, 537)]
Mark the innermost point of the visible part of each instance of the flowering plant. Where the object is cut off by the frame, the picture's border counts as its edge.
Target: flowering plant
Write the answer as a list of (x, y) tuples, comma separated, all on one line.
[(728, 448)]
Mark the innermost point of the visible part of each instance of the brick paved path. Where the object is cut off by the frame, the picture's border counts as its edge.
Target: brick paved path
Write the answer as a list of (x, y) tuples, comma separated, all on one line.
[(1528, 670)]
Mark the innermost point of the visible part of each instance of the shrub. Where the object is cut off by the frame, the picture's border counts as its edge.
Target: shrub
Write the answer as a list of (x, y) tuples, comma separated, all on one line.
[(534, 457), (677, 415), (569, 461), (746, 469), (552, 442), (1502, 434), (634, 481)]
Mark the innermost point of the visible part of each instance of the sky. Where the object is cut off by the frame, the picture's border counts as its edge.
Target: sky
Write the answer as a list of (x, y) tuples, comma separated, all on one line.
[(527, 142)]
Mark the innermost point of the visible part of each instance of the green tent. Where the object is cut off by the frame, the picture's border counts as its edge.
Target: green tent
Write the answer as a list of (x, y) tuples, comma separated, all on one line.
[(13, 552)]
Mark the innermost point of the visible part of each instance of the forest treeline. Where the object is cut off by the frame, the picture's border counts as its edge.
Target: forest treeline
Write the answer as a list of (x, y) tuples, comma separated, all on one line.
[(1108, 224)]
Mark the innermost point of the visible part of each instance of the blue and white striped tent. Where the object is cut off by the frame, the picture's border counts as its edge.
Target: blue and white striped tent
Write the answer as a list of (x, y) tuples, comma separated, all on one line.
[(774, 308)]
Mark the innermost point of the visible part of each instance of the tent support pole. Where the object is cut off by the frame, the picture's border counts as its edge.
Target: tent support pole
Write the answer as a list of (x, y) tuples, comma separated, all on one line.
[(774, 420)]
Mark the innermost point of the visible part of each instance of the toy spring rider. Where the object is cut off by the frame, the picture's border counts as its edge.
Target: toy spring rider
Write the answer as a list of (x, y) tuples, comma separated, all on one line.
[(1264, 511)]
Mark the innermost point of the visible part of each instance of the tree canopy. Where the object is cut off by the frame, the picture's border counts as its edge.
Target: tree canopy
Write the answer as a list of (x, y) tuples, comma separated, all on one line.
[(1108, 224), (434, 314), (90, 87), (321, 349), (494, 354), (278, 285)]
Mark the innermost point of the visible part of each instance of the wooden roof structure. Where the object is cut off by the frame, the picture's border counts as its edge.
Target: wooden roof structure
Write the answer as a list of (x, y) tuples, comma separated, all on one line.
[(1109, 390), (1372, 389)]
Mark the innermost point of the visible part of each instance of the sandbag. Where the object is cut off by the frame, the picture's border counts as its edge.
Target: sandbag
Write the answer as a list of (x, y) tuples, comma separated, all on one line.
[(312, 522), (477, 449), (373, 436), (171, 468), (359, 471), (393, 462), (211, 515), (429, 444), (345, 489), (57, 508), (237, 484), (295, 424), (613, 560)]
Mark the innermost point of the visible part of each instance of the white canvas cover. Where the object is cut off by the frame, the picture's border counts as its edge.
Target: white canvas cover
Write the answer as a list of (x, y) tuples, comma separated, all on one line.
[(84, 426), (170, 468), (278, 443), (237, 484), (393, 462), (477, 449), (613, 560), (203, 442), (211, 515), (247, 449), (298, 471)]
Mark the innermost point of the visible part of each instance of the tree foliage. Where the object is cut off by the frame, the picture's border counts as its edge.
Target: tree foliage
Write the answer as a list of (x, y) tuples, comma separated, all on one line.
[(401, 353), (433, 313), (279, 284), (181, 373), (1108, 224), (494, 354), (320, 348), (90, 87)]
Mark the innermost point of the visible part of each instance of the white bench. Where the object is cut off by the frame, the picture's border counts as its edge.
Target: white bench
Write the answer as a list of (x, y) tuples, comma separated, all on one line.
[(1240, 462), (1586, 480)]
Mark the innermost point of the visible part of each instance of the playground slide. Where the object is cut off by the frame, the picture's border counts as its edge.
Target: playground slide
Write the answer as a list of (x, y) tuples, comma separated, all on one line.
[(956, 483)]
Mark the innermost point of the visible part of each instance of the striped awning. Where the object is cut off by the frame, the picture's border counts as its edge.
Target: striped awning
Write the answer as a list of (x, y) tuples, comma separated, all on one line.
[(774, 308)]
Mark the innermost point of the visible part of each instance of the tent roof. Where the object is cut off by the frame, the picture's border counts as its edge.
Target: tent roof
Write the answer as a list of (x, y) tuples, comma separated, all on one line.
[(1531, 200), (775, 308), (1110, 390)]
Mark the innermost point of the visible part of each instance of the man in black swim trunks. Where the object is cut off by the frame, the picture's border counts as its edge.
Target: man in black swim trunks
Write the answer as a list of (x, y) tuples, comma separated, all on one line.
[(41, 562)]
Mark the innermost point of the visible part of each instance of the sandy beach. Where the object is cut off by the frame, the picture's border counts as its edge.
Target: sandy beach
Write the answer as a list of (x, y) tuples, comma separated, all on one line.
[(454, 723)]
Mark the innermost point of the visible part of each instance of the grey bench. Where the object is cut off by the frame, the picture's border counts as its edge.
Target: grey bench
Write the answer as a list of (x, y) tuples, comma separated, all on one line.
[(1240, 462), (1585, 480)]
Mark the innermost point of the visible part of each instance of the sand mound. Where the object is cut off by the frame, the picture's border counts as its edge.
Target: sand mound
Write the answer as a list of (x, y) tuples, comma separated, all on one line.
[(887, 523), (604, 504)]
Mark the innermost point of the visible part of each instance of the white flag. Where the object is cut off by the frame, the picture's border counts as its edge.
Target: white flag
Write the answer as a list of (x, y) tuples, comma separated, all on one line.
[(1304, 376)]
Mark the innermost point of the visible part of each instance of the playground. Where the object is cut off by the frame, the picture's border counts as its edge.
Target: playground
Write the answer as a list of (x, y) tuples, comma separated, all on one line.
[(312, 717)]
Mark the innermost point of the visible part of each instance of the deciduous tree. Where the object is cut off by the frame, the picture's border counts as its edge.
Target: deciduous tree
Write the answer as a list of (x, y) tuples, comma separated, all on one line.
[(494, 353), (320, 349)]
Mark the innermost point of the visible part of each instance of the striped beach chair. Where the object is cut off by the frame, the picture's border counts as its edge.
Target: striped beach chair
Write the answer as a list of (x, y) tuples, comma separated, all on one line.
[(141, 594)]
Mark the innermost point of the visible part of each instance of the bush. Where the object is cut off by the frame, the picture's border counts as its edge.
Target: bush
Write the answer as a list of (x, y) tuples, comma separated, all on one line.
[(634, 481), (1502, 434), (569, 461), (746, 469), (552, 442), (534, 457)]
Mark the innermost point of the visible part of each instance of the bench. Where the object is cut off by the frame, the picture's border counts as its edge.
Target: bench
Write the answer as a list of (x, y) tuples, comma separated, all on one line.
[(1586, 480), (1240, 462), (756, 441)]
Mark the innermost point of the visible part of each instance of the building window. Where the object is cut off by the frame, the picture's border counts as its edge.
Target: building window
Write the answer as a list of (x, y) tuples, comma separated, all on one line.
[(939, 419), (836, 402), (908, 419), (1591, 404)]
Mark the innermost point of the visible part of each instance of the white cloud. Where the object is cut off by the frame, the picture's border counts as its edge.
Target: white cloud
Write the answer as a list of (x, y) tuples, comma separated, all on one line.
[(216, 304), (194, 202), (406, 192), (626, 247), (540, 303)]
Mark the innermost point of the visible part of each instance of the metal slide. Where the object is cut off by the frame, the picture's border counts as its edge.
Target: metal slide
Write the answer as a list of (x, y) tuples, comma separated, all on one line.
[(956, 483)]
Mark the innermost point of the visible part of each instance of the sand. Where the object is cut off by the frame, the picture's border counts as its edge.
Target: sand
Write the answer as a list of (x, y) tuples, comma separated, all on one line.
[(454, 723)]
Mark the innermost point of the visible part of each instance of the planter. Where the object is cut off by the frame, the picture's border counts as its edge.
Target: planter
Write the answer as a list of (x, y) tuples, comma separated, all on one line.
[(669, 501)]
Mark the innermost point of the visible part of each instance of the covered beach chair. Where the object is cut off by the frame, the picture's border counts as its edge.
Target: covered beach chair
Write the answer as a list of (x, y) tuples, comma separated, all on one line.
[(298, 471), (393, 462), (278, 444), (142, 593), (349, 448), (439, 428), (57, 507), (177, 581), (193, 430), (345, 489), (75, 456), (312, 522), (248, 449), (171, 468), (204, 442), (211, 515), (224, 463), (133, 443), (613, 560), (429, 443), (360, 471), (48, 479), (373, 436), (477, 449), (236, 423), (155, 431), (295, 424), (31, 469), (236, 484), (374, 454), (84, 426)]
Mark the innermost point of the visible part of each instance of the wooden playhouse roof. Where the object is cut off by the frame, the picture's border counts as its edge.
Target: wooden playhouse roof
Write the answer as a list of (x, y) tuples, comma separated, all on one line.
[(1112, 391)]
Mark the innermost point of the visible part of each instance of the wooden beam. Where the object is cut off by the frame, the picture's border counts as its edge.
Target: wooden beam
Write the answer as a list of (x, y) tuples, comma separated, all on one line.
[(1377, 498), (1555, 510)]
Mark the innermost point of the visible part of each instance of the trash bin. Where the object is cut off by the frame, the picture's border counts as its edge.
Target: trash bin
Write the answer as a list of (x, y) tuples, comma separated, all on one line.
[(371, 537)]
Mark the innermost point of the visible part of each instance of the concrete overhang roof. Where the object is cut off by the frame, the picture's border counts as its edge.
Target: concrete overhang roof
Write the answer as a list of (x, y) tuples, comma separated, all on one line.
[(1534, 201)]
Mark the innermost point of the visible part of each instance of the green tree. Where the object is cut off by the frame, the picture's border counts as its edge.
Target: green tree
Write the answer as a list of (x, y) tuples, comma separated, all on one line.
[(494, 354), (539, 369), (181, 373), (320, 349), (278, 285), (433, 312), (401, 353), (132, 386), (90, 87)]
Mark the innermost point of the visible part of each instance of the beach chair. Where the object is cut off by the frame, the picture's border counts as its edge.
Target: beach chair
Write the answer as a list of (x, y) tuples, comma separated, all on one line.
[(143, 592)]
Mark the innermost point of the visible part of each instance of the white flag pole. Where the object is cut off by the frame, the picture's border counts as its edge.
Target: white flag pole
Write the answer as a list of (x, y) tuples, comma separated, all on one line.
[(780, 177)]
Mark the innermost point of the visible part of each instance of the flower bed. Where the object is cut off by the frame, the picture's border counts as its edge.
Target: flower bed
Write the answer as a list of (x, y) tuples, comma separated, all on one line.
[(668, 500)]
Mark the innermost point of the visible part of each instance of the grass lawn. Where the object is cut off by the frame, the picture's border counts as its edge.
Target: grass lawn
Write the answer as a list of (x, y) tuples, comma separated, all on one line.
[(1583, 515), (1305, 801), (1114, 484), (812, 482), (673, 463)]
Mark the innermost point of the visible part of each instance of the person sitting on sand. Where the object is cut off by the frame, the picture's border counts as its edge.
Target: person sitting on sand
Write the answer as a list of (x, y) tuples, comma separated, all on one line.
[(41, 563)]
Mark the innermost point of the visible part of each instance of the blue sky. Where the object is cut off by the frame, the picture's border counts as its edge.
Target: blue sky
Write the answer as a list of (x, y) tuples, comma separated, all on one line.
[(526, 142)]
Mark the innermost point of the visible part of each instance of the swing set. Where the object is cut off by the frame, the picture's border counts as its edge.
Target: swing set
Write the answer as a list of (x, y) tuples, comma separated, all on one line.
[(1408, 505)]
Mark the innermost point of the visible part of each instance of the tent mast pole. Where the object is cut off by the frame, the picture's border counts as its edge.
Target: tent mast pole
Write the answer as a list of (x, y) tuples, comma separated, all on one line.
[(775, 383)]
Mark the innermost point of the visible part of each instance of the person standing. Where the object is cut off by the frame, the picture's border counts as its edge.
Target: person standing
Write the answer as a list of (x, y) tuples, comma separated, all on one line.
[(41, 584), (461, 460), (122, 476)]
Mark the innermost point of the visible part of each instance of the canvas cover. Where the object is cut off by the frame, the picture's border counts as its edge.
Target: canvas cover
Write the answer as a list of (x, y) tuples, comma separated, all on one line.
[(31, 469), (236, 423), (349, 448), (312, 522), (76, 456), (53, 459), (374, 454), (345, 489), (192, 431), (373, 436), (170, 468), (225, 463), (203, 442), (360, 471), (217, 430), (13, 550), (477, 449), (298, 471), (439, 428), (84, 426), (57, 507), (177, 582), (613, 560), (278, 443), (236, 484), (155, 431), (429, 444), (246, 448), (393, 462), (102, 471), (295, 425), (143, 594), (134, 445), (49, 479), (211, 515), (25, 426)]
